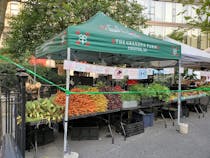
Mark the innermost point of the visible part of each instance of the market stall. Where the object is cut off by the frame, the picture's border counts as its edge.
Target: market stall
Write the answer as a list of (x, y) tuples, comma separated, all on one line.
[(102, 39), (196, 59)]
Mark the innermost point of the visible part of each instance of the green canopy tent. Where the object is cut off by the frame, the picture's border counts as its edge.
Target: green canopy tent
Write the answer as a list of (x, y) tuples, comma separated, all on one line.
[(102, 34), (103, 38)]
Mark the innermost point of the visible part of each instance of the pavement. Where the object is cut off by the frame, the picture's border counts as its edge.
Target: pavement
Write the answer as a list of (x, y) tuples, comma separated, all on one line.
[(155, 142)]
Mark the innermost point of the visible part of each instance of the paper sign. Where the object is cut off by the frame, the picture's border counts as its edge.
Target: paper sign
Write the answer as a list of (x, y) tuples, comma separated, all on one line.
[(190, 71), (68, 65), (142, 74), (155, 71), (80, 67), (149, 71), (132, 73), (161, 72), (204, 73), (168, 71), (182, 70), (118, 73), (208, 78), (198, 74)]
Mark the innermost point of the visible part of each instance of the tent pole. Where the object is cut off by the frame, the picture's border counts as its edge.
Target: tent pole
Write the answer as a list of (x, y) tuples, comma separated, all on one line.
[(66, 106), (179, 93)]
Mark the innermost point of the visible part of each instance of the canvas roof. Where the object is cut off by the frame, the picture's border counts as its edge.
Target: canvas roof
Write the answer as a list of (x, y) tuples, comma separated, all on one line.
[(103, 38)]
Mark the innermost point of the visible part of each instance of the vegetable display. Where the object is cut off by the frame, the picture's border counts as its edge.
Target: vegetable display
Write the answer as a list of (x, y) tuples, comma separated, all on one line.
[(151, 91), (43, 109), (59, 98), (114, 100), (174, 95), (99, 99), (81, 104)]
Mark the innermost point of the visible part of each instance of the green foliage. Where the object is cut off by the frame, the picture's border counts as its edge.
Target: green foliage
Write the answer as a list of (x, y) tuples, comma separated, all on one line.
[(130, 97), (8, 75), (48, 73), (40, 20), (202, 10), (8, 78), (161, 92), (206, 88), (139, 88), (178, 35), (151, 91)]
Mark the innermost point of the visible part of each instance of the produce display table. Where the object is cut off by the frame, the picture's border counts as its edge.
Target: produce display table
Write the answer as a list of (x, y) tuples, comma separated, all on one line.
[(110, 113), (190, 97)]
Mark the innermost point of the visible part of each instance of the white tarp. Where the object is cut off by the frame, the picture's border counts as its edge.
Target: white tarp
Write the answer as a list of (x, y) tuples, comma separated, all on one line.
[(191, 55)]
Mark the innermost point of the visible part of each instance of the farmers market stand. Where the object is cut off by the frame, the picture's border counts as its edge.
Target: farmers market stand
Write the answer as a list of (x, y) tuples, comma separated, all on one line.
[(113, 41)]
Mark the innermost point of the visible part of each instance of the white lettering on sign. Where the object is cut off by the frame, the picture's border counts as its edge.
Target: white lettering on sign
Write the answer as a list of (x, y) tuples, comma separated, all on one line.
[(117, 29), (135, 45)]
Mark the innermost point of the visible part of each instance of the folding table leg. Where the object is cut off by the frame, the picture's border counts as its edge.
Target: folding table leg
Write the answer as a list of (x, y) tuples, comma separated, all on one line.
[(123, 129), (201, 110), (164, 119), (110, 129), (171, 118), (197, 111)]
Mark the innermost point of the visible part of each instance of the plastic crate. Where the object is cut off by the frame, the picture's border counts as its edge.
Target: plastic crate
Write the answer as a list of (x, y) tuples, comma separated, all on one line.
[(85, 133), (134, 128), (44, 135), (148, 119), (135, 125), (85, 130)]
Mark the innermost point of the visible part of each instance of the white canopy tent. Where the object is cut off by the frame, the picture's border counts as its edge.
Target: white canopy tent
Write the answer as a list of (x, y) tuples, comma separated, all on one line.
[(192, 57)]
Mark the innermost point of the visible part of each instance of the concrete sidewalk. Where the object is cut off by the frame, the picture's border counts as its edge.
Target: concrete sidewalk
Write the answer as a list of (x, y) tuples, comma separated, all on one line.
[(155, 142)]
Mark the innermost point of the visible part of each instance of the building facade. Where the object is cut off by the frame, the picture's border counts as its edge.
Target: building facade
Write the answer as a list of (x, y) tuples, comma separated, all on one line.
[(165, 17), (13, 9)]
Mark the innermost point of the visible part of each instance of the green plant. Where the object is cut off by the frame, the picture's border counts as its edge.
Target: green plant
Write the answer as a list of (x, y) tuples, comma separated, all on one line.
[(159, 91), (206, 89), (8, 78), (130, 97), (139, 88)]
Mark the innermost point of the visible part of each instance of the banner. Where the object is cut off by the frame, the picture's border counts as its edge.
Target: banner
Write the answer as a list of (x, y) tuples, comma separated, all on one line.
[(168, 71), (190, 71), (132, 73), (118, 73), (182, 70), (143, 74), (149, 71), (208, 78), (198, 74)]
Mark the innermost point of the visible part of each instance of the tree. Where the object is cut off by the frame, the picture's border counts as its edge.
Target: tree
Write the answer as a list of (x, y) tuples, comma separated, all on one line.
[(202, 17), (178, 35), (39, 20)]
